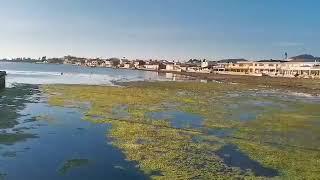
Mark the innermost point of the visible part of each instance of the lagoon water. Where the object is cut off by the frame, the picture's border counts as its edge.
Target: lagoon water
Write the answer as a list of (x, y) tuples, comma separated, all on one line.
[(30, 73), (38, 141)]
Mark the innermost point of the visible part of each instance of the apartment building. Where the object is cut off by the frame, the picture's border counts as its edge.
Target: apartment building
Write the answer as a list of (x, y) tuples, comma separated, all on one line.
[(270, 68)]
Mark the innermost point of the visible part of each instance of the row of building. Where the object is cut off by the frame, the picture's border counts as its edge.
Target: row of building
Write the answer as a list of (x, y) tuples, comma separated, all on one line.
[(295, 67), (305, 69), (152, 65)]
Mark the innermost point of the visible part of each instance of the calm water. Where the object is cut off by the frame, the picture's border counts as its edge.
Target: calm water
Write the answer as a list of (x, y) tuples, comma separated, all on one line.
[(68, 74), (42, 142), (179, 119), (232, 156), (38, 141)]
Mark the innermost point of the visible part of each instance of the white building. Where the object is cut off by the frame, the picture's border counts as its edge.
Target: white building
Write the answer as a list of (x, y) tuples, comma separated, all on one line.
[(204, 63), (107, 63), (271, 68), (172, 67), (300, 68), (91, 63), (126, 65), (151, 66)]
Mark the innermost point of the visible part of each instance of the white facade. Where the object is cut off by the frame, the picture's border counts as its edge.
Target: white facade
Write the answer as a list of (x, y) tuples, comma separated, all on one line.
[(204, 63), (136, 64), (126, 65), (107, 63), (169, 67), (301, 68), (173, 67), (151, 66), (287, 69)]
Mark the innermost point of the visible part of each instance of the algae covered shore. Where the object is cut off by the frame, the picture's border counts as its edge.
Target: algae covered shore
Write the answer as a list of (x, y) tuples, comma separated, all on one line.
[(303, 85), (190, 130)]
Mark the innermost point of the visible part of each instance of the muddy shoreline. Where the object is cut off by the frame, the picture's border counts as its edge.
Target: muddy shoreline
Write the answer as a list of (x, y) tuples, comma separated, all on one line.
[(310, 86)]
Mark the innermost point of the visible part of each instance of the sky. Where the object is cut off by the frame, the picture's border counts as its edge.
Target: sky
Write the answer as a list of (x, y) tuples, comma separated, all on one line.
[(161, 29)]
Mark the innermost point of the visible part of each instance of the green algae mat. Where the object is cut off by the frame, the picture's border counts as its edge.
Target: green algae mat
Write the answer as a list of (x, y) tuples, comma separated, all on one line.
[(190, 130)]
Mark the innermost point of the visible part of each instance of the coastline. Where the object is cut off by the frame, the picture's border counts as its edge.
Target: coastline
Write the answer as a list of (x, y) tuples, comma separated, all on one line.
[(163, 126), (300, 85), (311, 86)]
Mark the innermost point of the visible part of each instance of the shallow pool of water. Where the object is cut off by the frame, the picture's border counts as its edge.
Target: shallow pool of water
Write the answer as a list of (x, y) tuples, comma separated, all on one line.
[(179, 119), (55, 143), (233, 157)]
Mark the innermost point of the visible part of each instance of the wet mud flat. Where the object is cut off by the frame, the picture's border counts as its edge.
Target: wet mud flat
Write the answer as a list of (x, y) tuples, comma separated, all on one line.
[(183, 130), (310, 86)]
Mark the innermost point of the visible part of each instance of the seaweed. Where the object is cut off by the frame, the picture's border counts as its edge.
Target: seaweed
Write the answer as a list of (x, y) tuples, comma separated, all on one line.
[(282, 136), (70, 164)]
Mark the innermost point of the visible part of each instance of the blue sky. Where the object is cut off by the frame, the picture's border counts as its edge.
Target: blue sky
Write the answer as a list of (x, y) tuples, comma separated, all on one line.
[(170, 29)]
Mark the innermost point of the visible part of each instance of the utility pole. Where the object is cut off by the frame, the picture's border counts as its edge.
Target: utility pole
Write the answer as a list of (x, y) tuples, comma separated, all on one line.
[(285, 56)]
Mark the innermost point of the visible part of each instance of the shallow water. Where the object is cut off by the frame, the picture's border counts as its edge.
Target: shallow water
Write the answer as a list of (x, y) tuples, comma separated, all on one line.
[(179, 119), (184, 120), (249, 105), (233, 157), (219, 132), (30, 73), (55, 143)]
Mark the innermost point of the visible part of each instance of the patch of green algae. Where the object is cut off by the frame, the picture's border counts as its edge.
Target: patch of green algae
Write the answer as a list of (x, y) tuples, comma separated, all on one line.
[(288, 140), (171, 152), (71, 164), (277, 137)]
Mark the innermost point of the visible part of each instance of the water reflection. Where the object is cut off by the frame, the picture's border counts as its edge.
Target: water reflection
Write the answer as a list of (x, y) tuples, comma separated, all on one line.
[(38, 141), (73, 163), (179, 119), (232, 156), (12, 101)]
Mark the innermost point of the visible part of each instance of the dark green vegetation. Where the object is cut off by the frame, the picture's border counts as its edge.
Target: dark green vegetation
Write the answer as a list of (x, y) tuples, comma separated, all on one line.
[(278, 133), (11, 138), (2, 176), (12, 101), (73, 163), (2, 79)]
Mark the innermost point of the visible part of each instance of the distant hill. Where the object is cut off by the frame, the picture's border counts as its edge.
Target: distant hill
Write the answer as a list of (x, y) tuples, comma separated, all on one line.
[(305, 58), (231, 60), (272, 60)]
